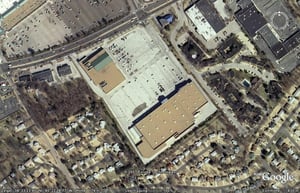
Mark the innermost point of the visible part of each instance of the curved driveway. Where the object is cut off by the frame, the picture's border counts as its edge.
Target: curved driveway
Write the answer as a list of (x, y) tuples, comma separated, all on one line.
[(253, 70)]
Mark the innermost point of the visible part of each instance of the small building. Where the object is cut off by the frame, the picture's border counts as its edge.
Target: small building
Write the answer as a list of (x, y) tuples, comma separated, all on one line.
[(96, 175), (199, 164), (290, 151), (206, 19), (55, 135), (29, 133), (186, 152), (180, 157), (74, 166), (234, 142), (99, 150), (294, 125), (69, 148), (25, 78), (165, 19), (232, 156), (119, 164), (21, 167), (110, 168), (116, 147), (102, 124), (175, 161), (231, 176), (74, 125), (212, 135), (29, 163), (194, 179), (297, 93), (64, 70), (213, 153), (281, 113), (36, 159), (275, 162), (43, 75), (68, 129), (236, 149), (102, 171), (198, 143), (107, 145), (206, 160), (20, 127), (291, 99), (3, 183), (295, 156), (279, 142)]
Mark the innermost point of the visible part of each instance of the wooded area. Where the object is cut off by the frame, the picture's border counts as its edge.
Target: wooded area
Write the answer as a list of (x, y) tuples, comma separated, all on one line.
[(50, 105)]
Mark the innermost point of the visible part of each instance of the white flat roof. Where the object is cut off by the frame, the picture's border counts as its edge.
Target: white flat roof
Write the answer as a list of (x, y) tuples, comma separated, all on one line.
[(135, 135), (202, 25), (6, 5)]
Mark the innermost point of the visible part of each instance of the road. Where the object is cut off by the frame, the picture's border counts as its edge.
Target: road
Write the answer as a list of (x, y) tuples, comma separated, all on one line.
[(49, 145), (126, 22), (284, 126), (187, 188), (253, 70)]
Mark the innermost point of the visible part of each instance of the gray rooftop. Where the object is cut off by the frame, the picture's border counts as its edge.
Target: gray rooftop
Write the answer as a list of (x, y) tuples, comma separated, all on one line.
[(251, 19), (210, 13)]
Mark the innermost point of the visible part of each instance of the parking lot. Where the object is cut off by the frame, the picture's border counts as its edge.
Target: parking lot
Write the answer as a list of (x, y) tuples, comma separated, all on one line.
[(83, 14), (153, 73), (38, 31), (55, 20)]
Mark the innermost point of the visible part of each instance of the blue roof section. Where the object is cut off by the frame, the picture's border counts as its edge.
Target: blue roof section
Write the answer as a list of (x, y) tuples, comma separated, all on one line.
[(169, 18), (165, 19)]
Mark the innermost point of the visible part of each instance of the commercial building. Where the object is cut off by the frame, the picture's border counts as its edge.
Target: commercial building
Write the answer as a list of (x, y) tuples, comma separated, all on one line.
[(64, 70), (102, 70), (165, 19), (169, 120), (274, 30), (251, 19), (43, 75), (206, 19), (158, 103)]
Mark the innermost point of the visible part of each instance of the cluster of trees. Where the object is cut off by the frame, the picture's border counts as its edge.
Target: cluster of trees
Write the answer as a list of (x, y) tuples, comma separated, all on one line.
[(54, 104)]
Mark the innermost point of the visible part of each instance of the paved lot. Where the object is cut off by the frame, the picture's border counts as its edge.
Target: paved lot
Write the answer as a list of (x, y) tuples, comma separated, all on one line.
[(54, 21), (38, 31), (83, 14)]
